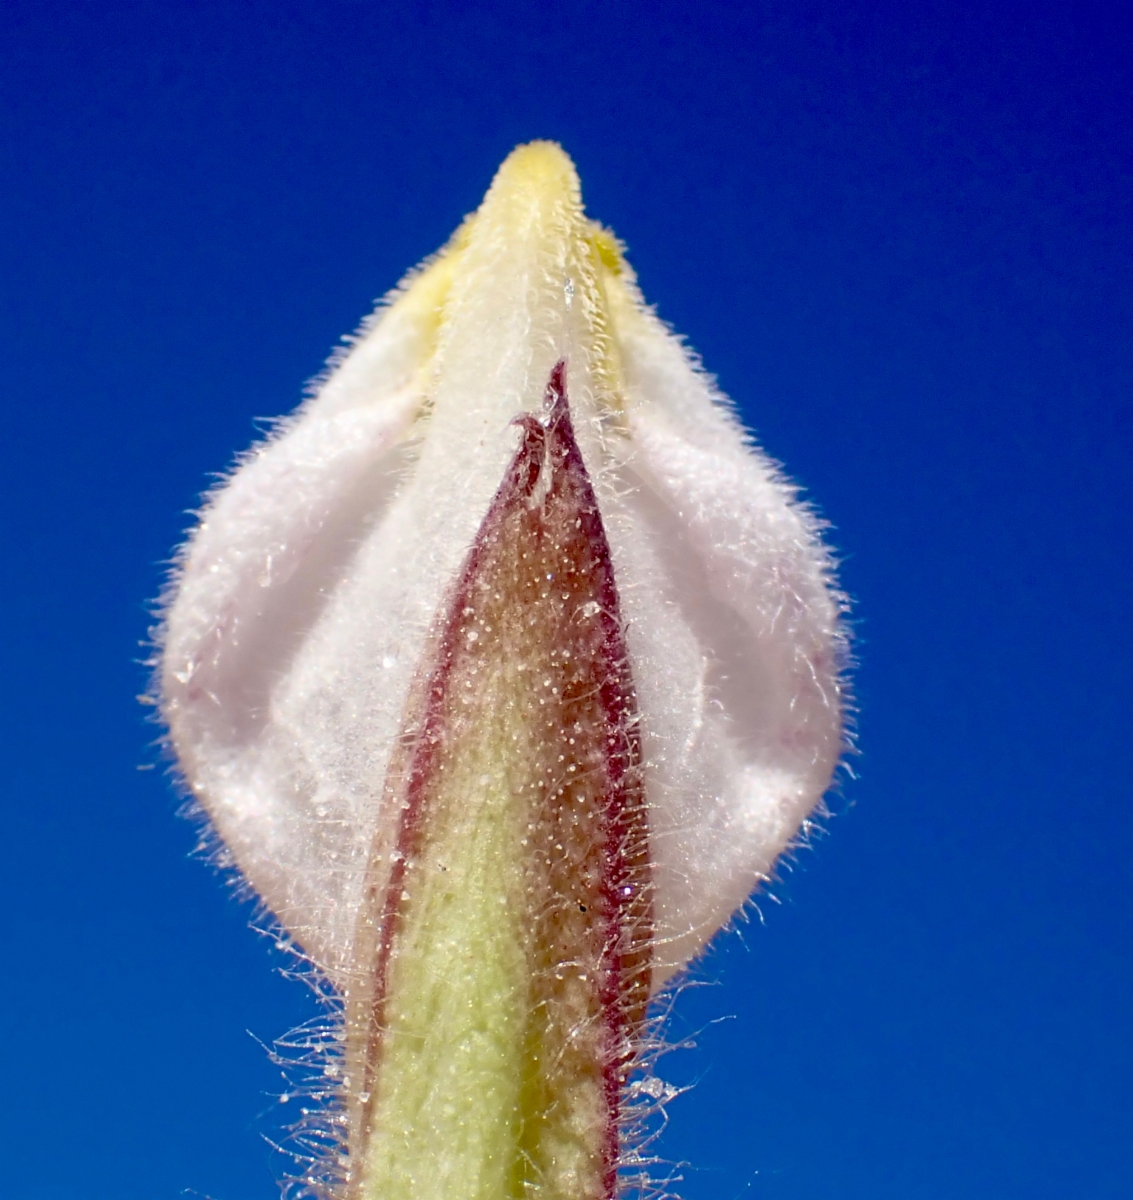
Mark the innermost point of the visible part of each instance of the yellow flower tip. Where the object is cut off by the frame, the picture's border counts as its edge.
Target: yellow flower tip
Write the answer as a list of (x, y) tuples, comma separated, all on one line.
[(537, 180), (536, 200), (540, 170)]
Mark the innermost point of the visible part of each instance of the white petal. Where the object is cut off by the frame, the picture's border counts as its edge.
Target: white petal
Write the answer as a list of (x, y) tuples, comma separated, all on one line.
[(734, 631), (273, 544)]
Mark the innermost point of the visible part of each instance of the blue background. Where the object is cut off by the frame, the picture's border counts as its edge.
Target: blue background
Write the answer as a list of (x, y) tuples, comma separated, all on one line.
[(902, 239)]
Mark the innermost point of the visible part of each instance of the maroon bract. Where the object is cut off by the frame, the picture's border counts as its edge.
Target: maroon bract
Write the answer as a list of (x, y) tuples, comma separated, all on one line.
[(530, 652)]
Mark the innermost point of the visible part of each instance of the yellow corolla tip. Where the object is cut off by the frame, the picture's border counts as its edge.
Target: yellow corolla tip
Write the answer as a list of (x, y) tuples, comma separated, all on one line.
[(535, 181), (541, 169), (535, 198)]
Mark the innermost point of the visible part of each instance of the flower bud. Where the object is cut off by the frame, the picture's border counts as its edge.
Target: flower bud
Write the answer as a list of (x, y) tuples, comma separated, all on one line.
[(504, 669)]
